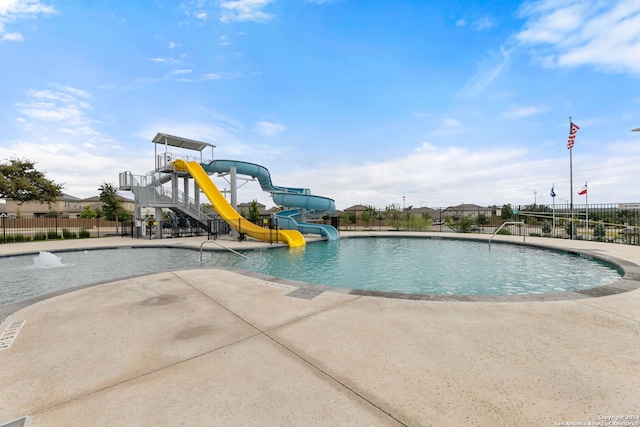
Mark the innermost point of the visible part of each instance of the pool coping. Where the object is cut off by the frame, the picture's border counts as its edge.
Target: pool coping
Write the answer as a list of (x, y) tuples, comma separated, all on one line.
[(629, 281)]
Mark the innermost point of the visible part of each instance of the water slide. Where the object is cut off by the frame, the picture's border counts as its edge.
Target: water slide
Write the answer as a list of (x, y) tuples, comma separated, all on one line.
[(293, 238), (299, 198)]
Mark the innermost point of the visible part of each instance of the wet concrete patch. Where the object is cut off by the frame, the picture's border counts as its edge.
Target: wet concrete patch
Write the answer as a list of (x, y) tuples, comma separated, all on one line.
[(195, 332), (305, 293), (163, 299)]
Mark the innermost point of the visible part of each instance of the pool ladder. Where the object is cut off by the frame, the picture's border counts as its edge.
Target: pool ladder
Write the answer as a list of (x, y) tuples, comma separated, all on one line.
[(500, 228)]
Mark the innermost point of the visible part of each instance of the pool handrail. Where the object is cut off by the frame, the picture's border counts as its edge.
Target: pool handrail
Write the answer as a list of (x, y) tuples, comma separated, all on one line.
[(222, 246), (500, 228)]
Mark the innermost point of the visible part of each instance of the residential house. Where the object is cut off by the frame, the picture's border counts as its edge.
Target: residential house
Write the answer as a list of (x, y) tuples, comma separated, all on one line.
[(66, 206)]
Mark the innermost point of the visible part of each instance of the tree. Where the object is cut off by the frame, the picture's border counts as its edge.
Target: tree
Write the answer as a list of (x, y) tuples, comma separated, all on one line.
[(20, 181), (254, 211), (368, 214), (111, 206), (482, 219), (393, 215), (88, 213), (349, 217), (507, 212)]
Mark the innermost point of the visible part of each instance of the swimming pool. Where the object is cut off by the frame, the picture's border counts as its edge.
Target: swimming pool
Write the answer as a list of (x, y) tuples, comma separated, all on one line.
[(387, 264)]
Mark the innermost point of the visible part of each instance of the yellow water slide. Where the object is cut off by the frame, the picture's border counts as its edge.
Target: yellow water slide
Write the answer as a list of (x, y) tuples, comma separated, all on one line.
[(293, 238)]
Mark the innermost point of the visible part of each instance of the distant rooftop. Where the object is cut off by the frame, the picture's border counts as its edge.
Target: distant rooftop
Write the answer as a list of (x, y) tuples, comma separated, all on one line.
[(177, 141)]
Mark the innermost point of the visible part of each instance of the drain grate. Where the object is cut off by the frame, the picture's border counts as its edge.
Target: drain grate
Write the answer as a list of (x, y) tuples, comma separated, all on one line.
[(10, 333)]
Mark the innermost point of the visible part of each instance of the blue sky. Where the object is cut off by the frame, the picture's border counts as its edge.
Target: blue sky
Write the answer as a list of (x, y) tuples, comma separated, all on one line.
[(442, 102)]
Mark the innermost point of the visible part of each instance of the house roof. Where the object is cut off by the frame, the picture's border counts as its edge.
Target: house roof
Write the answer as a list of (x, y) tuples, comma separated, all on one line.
[(69, 198), (356, 208), (96, 199), (466, 207)]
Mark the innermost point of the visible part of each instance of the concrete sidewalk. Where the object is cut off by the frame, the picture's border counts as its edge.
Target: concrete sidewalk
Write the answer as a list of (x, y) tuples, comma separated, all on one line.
[(215, 347)]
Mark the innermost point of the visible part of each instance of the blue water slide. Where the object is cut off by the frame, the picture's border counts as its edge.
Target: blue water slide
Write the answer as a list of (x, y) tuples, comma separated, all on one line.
[(289, 220), (292, 197)]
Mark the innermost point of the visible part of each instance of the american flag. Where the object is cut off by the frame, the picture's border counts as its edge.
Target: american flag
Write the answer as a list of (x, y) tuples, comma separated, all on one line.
[(572, 135)]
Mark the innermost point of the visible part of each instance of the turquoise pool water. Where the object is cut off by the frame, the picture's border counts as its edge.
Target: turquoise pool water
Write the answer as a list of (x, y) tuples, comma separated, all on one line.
[(406, 265), (435, 266)]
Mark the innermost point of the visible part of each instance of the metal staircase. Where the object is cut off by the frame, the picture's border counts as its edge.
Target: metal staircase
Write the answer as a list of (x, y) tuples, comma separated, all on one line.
[(149, 192)]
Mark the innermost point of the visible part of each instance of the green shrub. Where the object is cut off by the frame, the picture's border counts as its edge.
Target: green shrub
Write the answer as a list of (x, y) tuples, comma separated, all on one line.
[(22, 238), (546, 227), (39, 236), (463, 225), (84, 234), (68, 234), (534, 234), (599, 232), (571, 228), (505, 232), (9, 238), (52, 235)]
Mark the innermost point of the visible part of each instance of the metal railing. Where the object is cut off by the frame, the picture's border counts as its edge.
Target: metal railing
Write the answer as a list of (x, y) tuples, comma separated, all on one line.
[(501, 227), (222, 246)]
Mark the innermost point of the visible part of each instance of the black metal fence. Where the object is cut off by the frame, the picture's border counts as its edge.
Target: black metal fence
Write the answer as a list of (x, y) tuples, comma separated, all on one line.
[(35, 229), (616, 223)]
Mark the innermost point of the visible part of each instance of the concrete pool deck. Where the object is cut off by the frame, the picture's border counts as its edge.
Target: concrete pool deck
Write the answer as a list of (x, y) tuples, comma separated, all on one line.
[(216, 347)]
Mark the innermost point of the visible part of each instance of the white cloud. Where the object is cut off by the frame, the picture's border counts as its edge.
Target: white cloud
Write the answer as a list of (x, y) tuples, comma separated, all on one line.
[(178, 72), (487, 72), (268, 128), (584, 32), (11, 37), (80, 167), (476, 25), (16, 10), (444, 176), (244, 10), (518, 112), (62, 105), (482, 24), (451, 123)]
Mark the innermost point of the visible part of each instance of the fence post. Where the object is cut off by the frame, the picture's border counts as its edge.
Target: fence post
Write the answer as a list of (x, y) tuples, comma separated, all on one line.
[(4, 230)]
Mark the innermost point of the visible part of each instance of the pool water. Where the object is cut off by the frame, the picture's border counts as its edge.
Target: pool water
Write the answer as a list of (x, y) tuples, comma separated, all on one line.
[(406, 265), (435, 266)]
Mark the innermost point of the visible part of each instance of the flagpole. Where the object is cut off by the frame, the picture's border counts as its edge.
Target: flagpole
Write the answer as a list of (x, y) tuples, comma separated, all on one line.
[(554, 211), (571, 180), (586, 200)]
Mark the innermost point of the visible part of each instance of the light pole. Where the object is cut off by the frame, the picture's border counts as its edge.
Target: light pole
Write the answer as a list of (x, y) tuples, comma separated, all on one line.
[(404, 209), (535, 197)]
